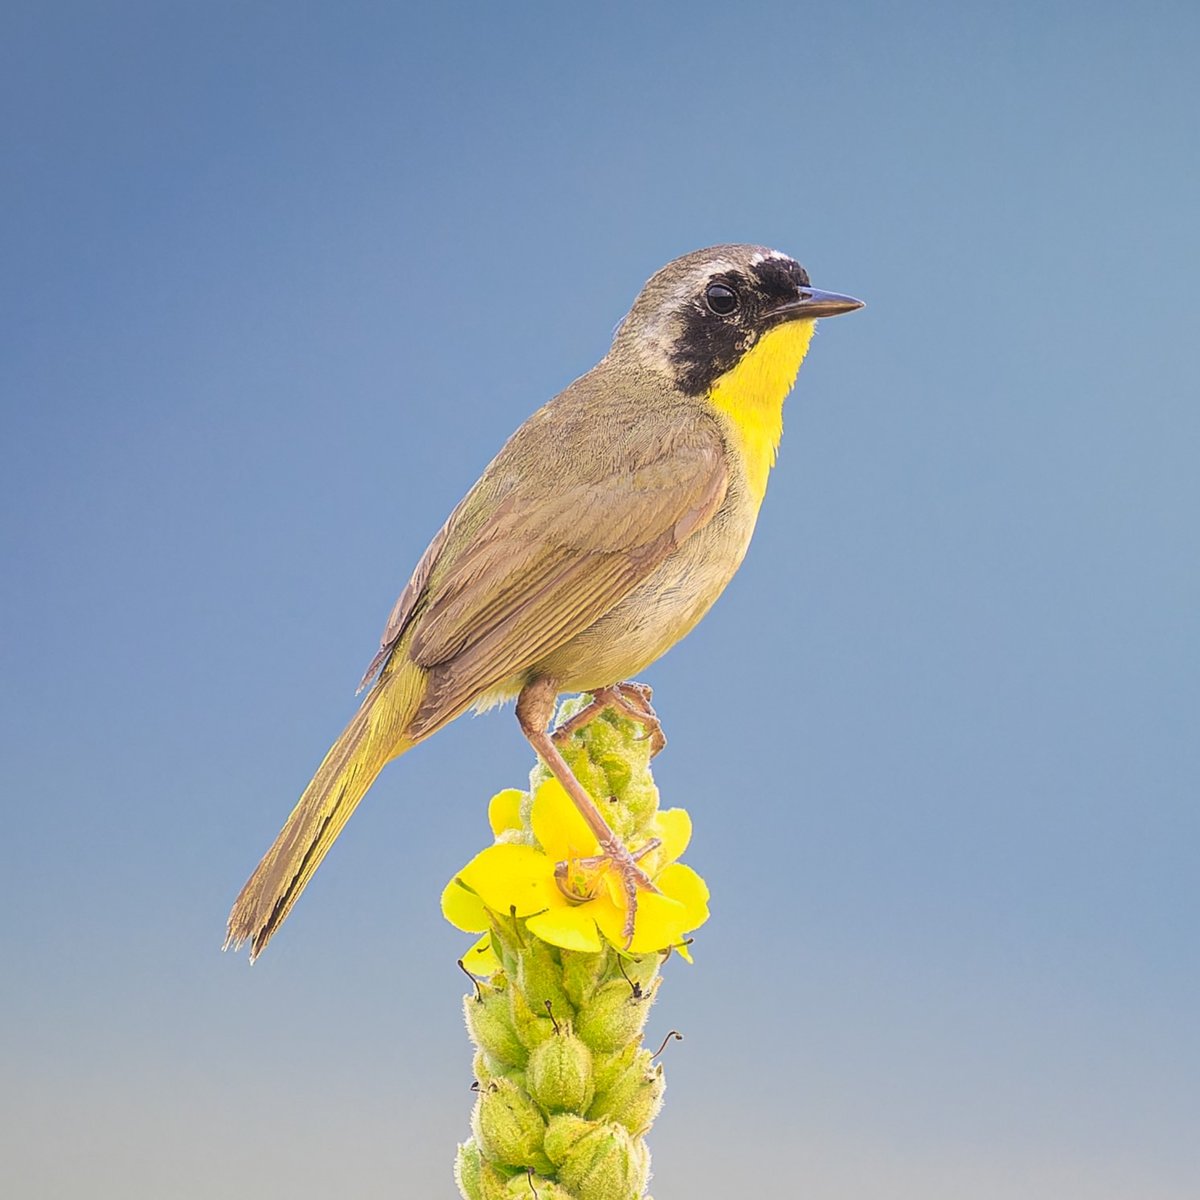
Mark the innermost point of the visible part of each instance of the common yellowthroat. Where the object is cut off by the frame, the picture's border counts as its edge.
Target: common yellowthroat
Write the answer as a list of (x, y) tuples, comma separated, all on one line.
[(596, 539)]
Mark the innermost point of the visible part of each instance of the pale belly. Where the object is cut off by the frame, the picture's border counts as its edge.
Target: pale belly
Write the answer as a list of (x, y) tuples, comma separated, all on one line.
[(659, 612)]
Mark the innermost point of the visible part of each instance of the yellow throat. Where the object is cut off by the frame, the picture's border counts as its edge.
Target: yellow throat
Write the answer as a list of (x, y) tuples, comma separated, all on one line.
[(752, 395)]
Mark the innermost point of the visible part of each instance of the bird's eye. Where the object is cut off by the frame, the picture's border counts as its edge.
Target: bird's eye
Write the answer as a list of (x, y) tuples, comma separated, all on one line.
[(720, 299)]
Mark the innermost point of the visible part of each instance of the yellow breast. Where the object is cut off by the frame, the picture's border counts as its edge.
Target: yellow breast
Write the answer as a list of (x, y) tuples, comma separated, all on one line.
[(751, 395)]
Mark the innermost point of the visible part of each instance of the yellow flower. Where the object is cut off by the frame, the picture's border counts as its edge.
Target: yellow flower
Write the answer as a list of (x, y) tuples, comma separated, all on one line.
[(588, 901)]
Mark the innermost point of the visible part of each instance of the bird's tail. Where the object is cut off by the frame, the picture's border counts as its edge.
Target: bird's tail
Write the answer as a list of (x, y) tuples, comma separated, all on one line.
[(376, 735)]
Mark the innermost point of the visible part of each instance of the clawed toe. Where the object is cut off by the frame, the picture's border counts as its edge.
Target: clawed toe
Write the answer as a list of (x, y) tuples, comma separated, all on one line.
[(631, 700)]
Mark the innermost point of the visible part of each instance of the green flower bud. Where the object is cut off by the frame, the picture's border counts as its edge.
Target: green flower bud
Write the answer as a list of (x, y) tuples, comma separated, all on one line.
[(483, 1070), (526, 1187), (531, 1027), (560, 1073), (490, 1024), (582, 973), (508, 937), (618, 1087), (486, 1070), (606, 1164), (607, 751), (508, 1127), (468, 1167), (562, 1133), (634, 1098), (594, 781), (608, 1068), (613, 1018), (642, 974), (540, 978), (493, 1183), (641, 802), (645, 1104)]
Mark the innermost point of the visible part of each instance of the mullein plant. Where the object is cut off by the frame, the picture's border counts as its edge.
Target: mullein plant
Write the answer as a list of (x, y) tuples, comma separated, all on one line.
[(565, 1089)]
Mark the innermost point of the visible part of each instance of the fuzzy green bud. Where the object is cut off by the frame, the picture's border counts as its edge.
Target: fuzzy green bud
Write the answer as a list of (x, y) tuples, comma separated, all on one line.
[(613, 1018), (485, 1070), (606, 1164), (490, 1024), (508, 940), (642, 973), (582, 974), (493, 1183), (560, 1073), (621, 752), (608, 1068), (468, 1168), (525, 1187), (645, 1104), (540, 978), (563, 1131), (533, 1028), (635, 1096), (508, 1126)]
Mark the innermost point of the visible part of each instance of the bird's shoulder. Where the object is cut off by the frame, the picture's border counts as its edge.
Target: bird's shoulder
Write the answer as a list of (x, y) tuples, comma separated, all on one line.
[(605, 428)]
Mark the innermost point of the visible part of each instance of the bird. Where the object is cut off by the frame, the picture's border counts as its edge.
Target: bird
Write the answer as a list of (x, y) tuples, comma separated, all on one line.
[(597, 538)]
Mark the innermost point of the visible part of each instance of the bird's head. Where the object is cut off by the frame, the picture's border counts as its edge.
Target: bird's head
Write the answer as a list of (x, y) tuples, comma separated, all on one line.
[(703, 314)]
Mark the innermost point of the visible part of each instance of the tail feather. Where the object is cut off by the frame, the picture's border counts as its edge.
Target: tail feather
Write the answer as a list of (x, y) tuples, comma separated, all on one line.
[(375, 736)]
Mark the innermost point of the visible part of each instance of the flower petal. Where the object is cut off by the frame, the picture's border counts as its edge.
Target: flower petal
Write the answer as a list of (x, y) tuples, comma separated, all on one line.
[(570, 926), (674, 827), (481, 959), (682, 884), (504, 810), (660, 921), (560, 830), (509, 877), (463, 909)]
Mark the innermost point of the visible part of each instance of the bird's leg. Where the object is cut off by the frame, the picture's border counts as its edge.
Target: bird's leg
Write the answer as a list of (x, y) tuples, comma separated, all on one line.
[(631, 700), (535, 707)]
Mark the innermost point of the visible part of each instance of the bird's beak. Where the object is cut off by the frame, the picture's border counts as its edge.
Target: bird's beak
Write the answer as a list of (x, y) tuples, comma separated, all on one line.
[(812, 304)]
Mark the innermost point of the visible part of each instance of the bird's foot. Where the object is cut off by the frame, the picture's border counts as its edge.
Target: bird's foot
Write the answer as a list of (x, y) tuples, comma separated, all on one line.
[(631, 700), (581, 879)]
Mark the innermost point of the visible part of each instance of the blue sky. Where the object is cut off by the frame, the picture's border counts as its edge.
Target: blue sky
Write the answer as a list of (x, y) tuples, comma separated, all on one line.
[(279, 280)]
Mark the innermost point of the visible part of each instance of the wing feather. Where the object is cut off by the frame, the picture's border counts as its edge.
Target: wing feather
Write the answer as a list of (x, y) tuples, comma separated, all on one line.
[(544, 545)]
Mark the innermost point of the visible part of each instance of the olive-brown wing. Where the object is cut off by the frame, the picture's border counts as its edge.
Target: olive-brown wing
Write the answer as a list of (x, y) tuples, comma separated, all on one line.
[(546, 563)]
